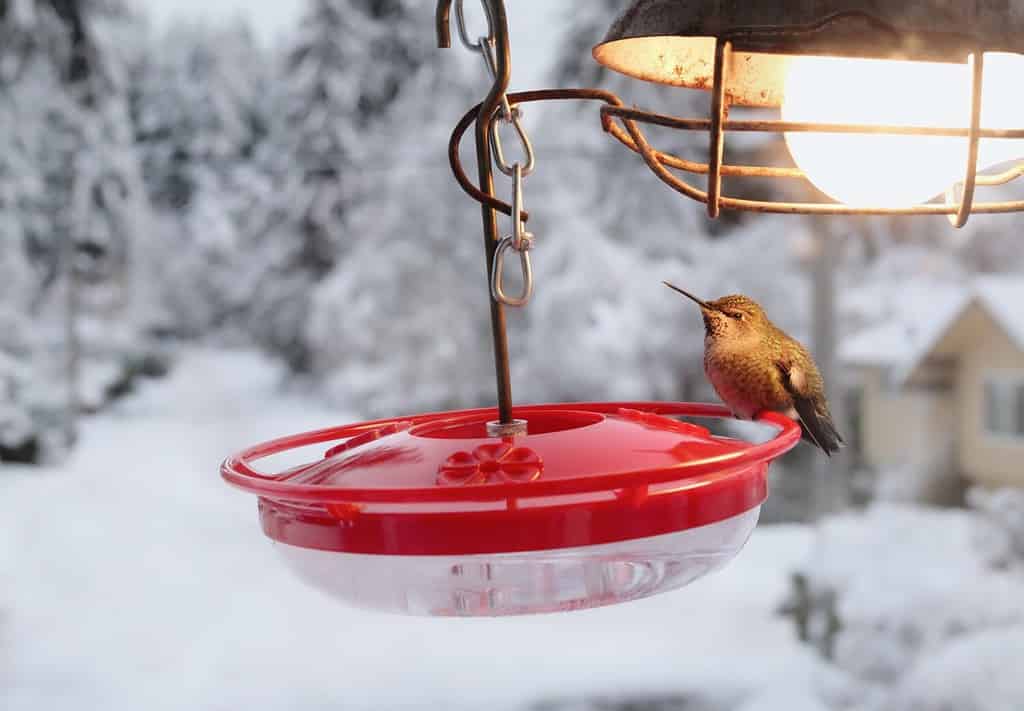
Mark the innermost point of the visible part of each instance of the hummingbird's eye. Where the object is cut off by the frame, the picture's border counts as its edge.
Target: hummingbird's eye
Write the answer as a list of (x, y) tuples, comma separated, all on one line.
[(738, 315)]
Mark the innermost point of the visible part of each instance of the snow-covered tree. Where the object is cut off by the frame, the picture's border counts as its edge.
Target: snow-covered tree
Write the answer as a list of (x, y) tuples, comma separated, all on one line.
[(402, 322), (342, 72), (76, 204), (202, 106)]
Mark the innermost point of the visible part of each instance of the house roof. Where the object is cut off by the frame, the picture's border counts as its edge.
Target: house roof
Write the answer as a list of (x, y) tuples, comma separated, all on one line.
[(906, 319), (1003, 297), (921, 314)]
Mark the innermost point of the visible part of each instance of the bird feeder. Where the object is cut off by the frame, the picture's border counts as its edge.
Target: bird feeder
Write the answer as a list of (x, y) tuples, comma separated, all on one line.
[(538, 508), (433, 515)]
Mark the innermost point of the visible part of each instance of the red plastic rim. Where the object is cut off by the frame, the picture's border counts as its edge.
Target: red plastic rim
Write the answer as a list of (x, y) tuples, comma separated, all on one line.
[(238, 469), (493, 499)]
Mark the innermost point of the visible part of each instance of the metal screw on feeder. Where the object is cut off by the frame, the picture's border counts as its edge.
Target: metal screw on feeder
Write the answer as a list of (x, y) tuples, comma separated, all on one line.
[(872, 96)]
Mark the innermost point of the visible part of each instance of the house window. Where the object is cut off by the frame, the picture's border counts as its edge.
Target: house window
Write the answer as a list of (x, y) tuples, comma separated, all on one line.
[(1004, 407)]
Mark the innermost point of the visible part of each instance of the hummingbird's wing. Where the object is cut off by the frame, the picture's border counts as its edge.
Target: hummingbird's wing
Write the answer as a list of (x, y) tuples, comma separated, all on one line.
[(803, 383)]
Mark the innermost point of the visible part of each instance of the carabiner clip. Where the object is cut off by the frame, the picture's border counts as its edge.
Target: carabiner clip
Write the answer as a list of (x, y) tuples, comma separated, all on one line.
[(497, 286), (521, 239), (524, 140), (460, 24)]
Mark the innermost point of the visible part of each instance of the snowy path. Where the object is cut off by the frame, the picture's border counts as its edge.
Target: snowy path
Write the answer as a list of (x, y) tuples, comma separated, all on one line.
[(133, 578)]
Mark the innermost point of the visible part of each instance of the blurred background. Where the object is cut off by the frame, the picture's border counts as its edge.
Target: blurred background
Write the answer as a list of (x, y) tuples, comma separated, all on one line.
[(223, 222)]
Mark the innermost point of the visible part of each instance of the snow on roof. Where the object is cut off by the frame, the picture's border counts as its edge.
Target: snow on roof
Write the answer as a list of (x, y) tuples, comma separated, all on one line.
[(1003, 298), (879, 346), (908, 318), (921, 313)]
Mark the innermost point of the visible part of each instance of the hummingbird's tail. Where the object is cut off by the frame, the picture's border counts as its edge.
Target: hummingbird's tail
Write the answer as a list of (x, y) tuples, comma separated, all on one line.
[(808, 396), (818, 428)]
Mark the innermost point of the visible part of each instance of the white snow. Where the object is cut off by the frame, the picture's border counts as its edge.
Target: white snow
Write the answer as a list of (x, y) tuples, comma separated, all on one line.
[(911, 584), (909, 317), (133, 577), (788, 699), (1003, 512), (969, 675), (533, 26)]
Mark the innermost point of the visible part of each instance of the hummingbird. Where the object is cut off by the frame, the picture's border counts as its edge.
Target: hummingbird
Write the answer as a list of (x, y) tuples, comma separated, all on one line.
[(755, 366)]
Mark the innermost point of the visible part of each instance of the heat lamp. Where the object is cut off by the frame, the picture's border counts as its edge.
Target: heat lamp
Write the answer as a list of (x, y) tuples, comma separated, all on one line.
[(899, 108)]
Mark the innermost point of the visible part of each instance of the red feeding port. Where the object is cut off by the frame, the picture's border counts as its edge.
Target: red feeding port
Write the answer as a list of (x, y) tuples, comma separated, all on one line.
[(598, 503)]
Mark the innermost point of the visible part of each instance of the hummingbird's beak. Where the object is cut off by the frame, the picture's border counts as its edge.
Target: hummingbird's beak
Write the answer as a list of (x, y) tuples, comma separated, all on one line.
[(703, 304)]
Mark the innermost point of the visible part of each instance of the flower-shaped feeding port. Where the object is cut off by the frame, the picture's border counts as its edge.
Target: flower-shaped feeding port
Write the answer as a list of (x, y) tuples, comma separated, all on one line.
[(598, 503), (491, 462)]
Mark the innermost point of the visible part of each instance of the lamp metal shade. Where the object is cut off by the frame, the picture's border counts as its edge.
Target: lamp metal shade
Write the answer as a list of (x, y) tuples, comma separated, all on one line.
[(673, 41)]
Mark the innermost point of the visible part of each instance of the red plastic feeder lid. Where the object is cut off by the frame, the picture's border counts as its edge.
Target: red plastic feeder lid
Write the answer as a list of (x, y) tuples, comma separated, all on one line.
[(585, 474)]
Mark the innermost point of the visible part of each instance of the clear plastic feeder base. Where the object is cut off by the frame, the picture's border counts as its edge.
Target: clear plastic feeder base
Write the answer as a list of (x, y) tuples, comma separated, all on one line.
[(522, 583)]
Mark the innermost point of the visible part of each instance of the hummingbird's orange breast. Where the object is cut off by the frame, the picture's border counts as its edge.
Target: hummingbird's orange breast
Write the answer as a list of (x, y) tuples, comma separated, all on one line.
[(747, 379)]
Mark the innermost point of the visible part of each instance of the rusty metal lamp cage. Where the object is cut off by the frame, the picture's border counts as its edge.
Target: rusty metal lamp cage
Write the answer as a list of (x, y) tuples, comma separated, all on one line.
[(739, 51)]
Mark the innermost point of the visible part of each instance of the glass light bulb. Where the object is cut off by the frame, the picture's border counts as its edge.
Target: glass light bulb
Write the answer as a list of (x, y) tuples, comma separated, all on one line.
[(888, 170)]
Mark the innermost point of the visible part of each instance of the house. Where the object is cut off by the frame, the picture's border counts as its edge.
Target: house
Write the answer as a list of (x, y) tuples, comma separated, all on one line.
[(941, 388)]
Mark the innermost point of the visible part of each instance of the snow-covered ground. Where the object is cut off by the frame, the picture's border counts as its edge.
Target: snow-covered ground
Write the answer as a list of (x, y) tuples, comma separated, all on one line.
[(132, 577)]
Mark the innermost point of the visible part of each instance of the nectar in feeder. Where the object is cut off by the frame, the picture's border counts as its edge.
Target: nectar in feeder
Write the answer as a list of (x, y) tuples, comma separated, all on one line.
[(430, 515)]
